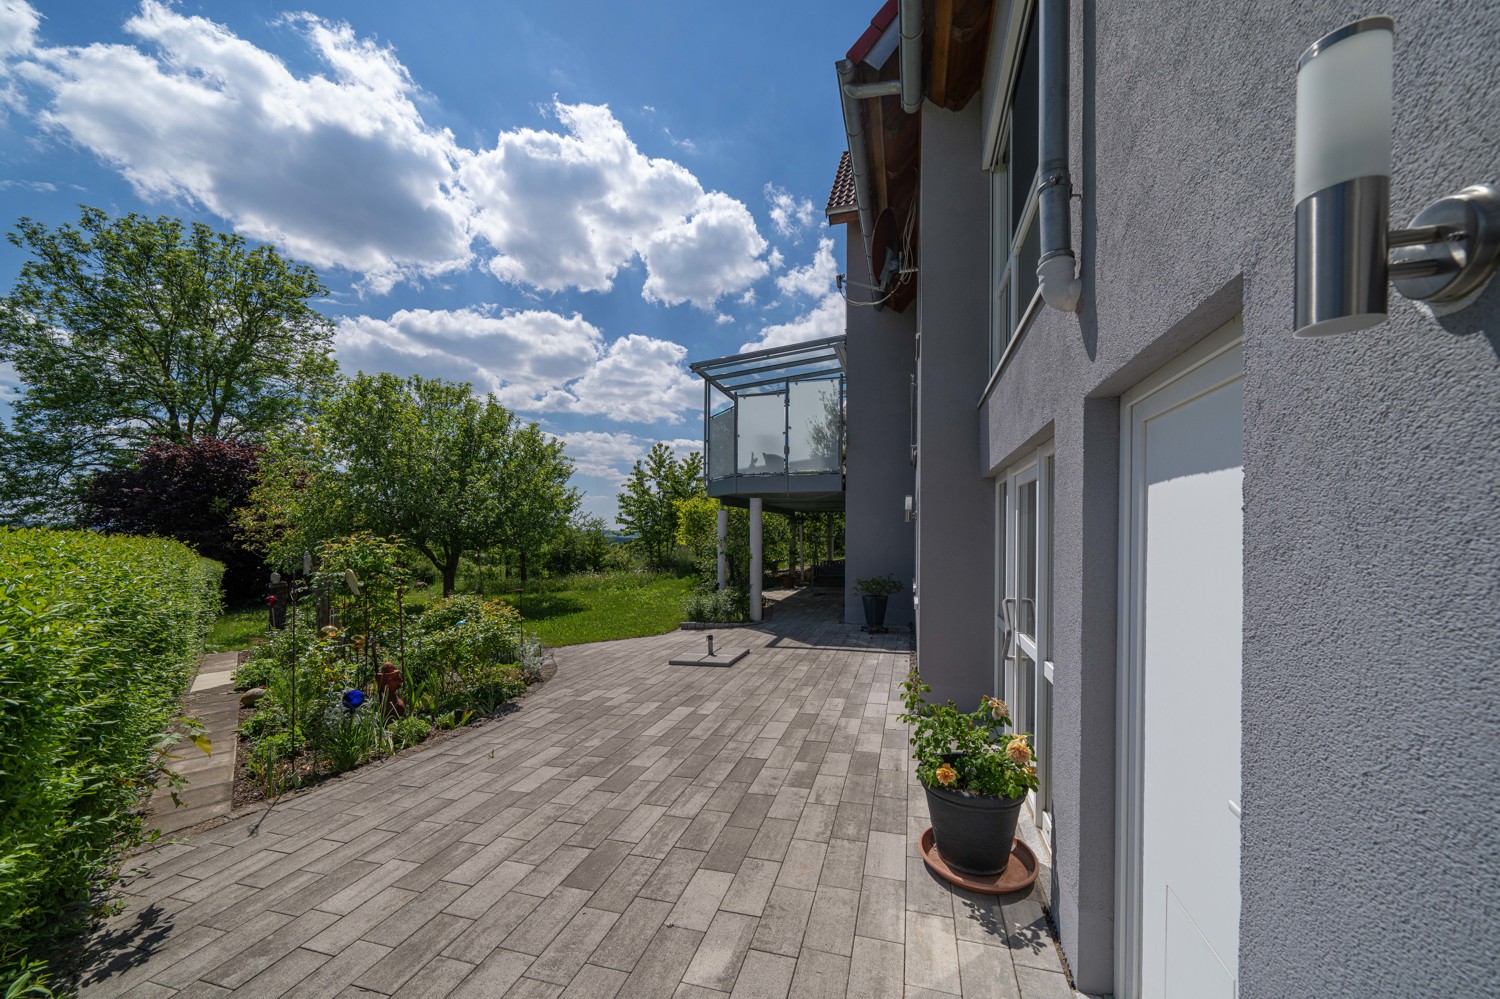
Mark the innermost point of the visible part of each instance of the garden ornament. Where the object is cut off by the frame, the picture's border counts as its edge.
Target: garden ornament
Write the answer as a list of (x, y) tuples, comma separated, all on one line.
[(388, 681)]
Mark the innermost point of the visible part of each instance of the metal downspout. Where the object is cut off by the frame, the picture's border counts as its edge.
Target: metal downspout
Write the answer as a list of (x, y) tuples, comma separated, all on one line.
[(911, 56), (1057, 269), (859, 165), (909, 87)]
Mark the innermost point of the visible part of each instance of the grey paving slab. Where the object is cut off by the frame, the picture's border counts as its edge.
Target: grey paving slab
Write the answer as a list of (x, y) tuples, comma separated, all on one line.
[(717, 962), (209, 791), (630, 830), (764, 976), (623, 946), (820, 975)]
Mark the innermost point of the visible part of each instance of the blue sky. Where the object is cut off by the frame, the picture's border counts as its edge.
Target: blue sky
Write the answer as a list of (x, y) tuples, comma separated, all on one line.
[(562, 203)]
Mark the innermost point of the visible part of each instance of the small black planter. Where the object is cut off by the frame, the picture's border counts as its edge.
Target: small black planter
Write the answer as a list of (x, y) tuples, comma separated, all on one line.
[(973, 833), (874, 609)]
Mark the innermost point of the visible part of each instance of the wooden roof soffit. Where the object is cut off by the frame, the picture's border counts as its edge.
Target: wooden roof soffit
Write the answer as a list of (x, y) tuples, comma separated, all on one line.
[(957, 34)]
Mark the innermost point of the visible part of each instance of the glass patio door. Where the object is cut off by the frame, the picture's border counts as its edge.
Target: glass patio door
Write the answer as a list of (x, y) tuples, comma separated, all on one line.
[(1024, 614)]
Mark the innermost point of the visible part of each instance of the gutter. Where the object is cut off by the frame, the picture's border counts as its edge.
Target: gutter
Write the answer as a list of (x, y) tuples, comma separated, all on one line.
[(1057, 270), (908, 87), (859, 164), (911, 56)]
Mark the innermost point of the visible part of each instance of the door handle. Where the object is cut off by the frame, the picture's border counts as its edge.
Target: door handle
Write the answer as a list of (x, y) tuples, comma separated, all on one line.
[(1010, 613)]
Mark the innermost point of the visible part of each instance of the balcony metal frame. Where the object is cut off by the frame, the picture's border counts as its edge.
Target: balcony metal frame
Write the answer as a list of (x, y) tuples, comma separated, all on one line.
[(740, 376)]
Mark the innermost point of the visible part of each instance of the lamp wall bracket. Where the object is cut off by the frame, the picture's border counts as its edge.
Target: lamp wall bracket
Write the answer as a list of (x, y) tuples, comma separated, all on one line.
[(1451, 250)]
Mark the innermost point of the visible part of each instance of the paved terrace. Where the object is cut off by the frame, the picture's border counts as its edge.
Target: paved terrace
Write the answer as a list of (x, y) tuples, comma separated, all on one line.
[(631, 829)]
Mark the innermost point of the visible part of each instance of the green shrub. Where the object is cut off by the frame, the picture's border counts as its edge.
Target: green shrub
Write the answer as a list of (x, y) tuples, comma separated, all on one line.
[(726, 606), (348, 738), (454, 647), (409, 731), (98, 639)]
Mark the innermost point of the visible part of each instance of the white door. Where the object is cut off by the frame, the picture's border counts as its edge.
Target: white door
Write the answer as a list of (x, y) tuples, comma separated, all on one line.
[(1182, 514), (1024, 611)]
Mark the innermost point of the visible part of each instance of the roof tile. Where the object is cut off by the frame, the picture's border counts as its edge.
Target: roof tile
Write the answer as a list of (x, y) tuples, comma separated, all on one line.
[(878, 24), (842, 197)]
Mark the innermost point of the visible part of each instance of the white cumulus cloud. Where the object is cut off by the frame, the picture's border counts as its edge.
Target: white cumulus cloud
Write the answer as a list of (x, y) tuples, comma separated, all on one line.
[(341, 169), (811, 279), (814, 280), (18, 25), (534, 361), (822, 320), (713, 252), (609, 456), (639, 379), (789, 214), (571, 209)]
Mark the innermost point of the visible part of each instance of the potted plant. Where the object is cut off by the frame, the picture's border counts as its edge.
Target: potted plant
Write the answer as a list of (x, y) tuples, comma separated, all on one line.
[(874, 591), (976, 776)]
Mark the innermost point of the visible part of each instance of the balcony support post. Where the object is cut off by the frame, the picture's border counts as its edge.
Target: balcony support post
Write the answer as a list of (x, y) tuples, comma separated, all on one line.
[(723, 545), (756, 571)]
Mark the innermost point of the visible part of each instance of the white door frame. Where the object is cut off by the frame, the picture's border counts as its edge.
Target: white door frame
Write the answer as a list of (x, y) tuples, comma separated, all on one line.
[(1037, 467), (1216, 361)]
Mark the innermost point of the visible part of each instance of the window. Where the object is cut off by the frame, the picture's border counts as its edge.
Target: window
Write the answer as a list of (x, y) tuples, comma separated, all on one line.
[(1015, 237)]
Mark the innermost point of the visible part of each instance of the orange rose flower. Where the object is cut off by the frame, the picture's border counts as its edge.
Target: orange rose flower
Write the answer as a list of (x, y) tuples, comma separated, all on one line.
[(998, 708), (946, 775), (1018, 751)]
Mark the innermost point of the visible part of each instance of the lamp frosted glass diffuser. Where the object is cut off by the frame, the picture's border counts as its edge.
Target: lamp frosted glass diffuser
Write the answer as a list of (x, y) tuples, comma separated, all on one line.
[(1342, 178), (1344, 107)]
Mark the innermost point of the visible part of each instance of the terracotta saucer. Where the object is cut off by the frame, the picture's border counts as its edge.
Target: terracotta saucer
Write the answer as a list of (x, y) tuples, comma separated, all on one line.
[(1018, 875)]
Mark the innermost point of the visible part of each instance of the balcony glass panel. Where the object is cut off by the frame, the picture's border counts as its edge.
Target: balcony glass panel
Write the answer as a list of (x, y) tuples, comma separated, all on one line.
[(762, 438), (814, 423), (721, 444)]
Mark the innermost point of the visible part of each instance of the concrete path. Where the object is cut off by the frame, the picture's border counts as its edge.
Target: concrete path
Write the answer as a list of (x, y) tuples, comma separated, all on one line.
[(210, 789), (631, 829)]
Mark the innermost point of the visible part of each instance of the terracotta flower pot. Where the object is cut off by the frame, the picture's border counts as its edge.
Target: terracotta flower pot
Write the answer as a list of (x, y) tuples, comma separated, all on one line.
[(973, 833)]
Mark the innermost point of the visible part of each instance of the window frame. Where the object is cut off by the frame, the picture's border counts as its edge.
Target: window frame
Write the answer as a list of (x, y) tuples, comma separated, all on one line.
[(1008, 321)]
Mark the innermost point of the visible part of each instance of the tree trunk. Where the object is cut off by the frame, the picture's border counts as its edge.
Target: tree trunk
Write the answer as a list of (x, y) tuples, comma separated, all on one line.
[(450, 575), (521, 560)]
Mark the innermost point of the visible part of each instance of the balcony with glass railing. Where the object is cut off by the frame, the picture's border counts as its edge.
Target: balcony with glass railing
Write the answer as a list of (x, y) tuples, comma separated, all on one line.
[(774, 426)]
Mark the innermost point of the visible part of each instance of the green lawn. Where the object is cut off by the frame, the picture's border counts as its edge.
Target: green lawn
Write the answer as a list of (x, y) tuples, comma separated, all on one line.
[(566, 611), (578, 609), (239, 628)]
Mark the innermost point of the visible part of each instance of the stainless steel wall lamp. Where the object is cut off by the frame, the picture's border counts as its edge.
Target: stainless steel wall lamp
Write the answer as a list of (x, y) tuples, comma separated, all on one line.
[(1347, 255)]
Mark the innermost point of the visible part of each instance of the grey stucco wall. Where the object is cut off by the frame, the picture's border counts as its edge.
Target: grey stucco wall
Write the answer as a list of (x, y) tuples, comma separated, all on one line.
[(878, 540), (1371, 745), (955, 507)]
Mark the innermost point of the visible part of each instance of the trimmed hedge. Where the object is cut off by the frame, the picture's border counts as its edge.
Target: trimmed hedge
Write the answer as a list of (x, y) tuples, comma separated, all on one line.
[(98, 640)]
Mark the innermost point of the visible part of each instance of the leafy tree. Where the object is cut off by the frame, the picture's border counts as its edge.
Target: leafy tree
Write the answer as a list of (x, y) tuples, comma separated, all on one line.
[(422, 458), (648, 503), (537, 501), (583, 545), (698, 531), (187, 490), (124, 330)]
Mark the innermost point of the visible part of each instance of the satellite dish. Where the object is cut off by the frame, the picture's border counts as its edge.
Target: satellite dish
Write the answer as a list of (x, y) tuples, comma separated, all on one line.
[(885, 255)]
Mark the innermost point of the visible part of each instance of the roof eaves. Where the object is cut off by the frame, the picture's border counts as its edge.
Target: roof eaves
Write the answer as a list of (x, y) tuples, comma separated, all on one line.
[(841, 197), (872, 34)]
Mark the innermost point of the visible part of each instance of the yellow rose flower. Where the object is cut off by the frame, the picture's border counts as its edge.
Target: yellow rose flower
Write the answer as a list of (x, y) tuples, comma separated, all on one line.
[(998, 708), (1018, 751), (946, 775)]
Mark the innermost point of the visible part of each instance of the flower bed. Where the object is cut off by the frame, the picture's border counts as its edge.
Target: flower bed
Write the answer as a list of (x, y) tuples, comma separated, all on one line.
[(379, 679)]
